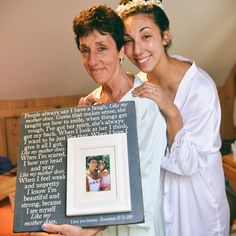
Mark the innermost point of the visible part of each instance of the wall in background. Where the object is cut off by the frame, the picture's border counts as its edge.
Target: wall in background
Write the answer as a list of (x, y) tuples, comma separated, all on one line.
[(39, 58)]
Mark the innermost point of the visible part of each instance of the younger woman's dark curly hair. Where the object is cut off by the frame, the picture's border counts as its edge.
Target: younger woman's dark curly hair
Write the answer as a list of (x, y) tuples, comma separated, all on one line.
[(101, 18), (152, 10)]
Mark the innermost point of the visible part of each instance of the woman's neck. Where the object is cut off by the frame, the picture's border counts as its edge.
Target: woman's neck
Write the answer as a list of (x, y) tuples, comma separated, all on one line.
[(92, 173), (115, 90), (169, 74)]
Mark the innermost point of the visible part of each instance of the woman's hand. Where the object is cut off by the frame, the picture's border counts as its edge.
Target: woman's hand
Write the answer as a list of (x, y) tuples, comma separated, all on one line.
[(66, 230), (170, 110), (88, 100), (155, 93)]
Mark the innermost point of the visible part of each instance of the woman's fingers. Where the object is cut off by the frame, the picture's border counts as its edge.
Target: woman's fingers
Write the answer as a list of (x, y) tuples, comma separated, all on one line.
[(41, 234), (88, 100), (70, 230), (147, 90)]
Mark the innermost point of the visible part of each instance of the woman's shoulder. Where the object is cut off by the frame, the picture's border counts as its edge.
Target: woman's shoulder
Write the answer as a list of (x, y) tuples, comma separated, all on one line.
[(203, 82), (97, 92), (196, 77), (142, 76), (104, 173)]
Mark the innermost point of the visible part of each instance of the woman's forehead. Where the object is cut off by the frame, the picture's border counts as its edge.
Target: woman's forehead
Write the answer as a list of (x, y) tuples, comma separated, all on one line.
[(139, 19), (138, 23), (93, 160), (96, 37)]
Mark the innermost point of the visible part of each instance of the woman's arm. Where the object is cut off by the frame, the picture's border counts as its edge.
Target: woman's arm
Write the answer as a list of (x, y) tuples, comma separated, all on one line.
[(87, 185), (194, 134)]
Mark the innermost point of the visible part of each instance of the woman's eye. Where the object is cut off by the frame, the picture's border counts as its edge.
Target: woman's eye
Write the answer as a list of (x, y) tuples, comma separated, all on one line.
[(126, 41), (146, 36), (84, 50), (101, 49)]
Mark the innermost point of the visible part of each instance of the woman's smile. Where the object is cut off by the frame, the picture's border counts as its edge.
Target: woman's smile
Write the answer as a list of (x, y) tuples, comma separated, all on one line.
[(141, 62)]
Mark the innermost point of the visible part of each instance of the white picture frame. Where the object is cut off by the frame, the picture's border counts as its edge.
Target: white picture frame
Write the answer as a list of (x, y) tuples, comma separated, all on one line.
[(118, 198)]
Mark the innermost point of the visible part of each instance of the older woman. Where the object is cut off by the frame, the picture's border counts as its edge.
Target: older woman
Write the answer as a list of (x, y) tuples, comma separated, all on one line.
[(99, 36), (93, 180)]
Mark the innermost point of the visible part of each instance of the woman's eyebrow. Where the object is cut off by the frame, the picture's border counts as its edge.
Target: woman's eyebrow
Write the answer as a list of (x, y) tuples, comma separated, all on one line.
[(142, 29)]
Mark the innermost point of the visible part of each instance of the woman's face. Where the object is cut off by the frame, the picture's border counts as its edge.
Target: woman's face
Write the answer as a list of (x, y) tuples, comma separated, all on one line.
[(100, 56), (144, 45), (101, 166), (93, 165)]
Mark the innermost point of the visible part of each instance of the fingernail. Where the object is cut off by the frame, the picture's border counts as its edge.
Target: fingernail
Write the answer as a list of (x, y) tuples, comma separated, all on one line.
[(44, 227)]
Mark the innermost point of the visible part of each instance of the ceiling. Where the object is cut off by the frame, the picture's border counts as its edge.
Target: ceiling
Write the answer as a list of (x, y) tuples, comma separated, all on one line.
[(39, 58)]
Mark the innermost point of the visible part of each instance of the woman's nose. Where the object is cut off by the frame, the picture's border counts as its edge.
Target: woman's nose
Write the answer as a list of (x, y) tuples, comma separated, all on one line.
[(137, 48), (92, 59)]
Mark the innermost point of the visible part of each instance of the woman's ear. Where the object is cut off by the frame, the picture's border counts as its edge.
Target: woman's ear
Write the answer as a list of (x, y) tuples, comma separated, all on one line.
[(122, 53), (166, 37)]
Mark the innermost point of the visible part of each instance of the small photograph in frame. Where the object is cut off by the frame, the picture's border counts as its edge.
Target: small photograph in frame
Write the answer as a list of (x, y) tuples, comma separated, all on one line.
[(97, 175)]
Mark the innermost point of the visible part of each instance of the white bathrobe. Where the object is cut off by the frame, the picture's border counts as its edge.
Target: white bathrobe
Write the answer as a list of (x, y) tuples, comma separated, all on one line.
[(195, 202)]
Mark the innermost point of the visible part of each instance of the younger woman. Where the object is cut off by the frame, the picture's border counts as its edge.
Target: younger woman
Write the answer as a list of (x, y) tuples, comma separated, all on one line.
[(195, 201), (104, 175)]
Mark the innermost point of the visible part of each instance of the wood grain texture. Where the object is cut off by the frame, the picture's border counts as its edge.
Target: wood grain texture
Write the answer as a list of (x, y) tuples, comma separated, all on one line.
[(10, 112)]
